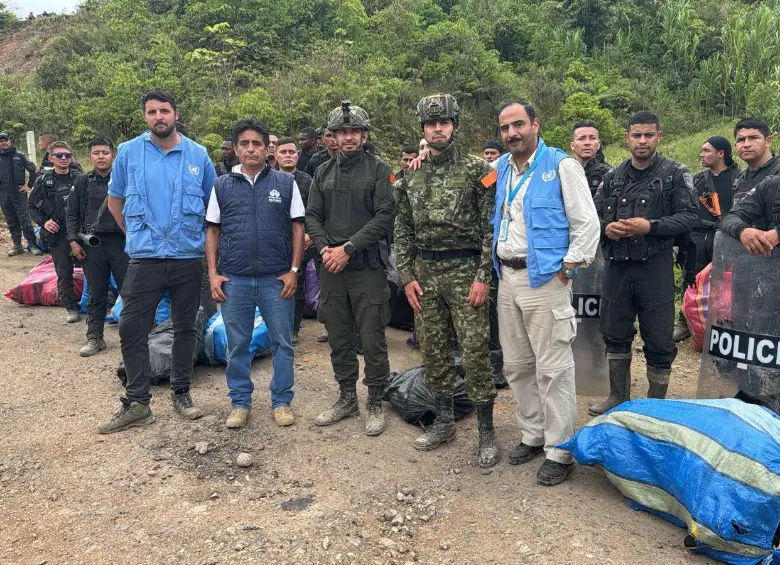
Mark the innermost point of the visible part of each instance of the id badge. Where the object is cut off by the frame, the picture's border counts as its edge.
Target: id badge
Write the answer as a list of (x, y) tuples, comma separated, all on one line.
[(503, 230)]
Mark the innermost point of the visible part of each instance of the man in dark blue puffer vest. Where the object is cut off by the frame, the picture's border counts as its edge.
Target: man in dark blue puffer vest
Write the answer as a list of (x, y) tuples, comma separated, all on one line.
[(255, 225)]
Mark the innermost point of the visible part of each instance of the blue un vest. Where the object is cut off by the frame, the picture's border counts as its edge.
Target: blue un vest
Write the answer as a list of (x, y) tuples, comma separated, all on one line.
[(543, 212), (256, 225), (186, 236)]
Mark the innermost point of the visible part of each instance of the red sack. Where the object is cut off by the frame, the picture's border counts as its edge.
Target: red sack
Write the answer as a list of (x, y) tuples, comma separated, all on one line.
[(695, 305), (697, 301), (39, 287)]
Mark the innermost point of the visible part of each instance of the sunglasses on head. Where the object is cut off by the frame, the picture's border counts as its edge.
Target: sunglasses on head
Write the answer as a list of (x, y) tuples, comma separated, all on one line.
[(63, 155)]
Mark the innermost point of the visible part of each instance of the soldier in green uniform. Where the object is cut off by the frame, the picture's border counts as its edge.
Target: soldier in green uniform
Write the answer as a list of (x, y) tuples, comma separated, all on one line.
[(349, 218), (443, 239)]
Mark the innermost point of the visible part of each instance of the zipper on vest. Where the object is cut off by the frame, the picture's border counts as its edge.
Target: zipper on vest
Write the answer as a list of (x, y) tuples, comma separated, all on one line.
[(254, 230)]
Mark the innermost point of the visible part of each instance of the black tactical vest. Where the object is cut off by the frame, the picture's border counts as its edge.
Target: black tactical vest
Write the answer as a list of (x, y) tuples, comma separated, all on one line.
[(94, 197), (56, 191), (649, 199)]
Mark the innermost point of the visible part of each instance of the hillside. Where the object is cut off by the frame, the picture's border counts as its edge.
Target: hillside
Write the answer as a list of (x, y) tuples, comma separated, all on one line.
[(699, 66)]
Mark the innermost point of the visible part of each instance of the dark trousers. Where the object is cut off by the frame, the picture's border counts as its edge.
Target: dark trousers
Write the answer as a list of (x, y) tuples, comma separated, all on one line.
[(357, 296), (100, 263), (145, 283), (300, 290), (14, 206), (702, 242), (644, 289), (59, 246)]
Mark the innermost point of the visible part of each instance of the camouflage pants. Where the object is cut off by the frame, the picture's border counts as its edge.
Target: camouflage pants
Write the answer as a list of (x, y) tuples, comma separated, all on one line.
[(445, 286)]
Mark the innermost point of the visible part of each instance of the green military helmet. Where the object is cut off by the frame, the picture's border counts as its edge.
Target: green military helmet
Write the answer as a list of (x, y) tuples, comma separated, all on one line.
[(348, 116), (438, 107)]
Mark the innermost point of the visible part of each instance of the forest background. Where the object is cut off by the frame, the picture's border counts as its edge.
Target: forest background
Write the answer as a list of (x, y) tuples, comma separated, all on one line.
[(698, 65)]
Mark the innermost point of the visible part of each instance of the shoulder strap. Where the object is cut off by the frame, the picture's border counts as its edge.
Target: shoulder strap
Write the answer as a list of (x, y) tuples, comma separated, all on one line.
[(664, 169)]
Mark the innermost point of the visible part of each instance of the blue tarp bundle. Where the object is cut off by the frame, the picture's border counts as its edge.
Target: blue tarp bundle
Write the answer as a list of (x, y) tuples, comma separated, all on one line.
[(216, 339), (163, 310), (711, 466), (85, 297)]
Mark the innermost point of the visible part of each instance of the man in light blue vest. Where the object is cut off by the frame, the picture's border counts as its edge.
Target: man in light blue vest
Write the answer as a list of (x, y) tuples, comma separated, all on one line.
[(255, 220), (159, 187), (545, 226)]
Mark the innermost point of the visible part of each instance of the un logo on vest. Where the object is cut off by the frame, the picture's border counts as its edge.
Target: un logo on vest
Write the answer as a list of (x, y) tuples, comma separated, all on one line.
[(547, 176), (194, 169), (275, 197)]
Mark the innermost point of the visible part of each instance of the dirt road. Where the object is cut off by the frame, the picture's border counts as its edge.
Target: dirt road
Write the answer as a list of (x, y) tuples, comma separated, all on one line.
[(312, 496)]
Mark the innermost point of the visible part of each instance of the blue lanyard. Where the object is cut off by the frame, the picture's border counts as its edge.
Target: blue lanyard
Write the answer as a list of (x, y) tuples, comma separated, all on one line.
[(524, 178)]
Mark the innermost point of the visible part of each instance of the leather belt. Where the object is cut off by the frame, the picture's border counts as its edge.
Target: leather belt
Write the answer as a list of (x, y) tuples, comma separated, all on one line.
[(428, 255), (514, 263)]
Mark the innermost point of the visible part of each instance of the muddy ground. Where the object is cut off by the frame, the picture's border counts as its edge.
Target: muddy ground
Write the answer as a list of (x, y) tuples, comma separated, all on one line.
[(312, 496)]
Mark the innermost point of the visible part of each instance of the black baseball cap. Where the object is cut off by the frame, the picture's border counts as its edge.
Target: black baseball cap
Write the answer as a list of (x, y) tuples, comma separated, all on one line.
[(4, 135)]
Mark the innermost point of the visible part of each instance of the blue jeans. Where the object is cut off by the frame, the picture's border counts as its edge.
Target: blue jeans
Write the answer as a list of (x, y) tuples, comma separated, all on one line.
[(238, 314)]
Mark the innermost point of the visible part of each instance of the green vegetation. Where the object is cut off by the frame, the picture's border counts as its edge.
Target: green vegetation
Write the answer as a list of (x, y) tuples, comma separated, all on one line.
[(698, 65)]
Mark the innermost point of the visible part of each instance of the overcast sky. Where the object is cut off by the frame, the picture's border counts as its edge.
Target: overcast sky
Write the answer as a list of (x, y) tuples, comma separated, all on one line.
[(24, 7)]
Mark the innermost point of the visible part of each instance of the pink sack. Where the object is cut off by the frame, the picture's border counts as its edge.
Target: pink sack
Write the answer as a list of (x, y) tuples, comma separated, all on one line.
[(39, 287)]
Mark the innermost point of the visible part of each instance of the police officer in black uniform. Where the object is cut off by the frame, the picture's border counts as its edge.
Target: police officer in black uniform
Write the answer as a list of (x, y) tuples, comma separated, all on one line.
[(714, 192), (586, 146), (643, 204), (14, 168), (87, 214), (47, 208), (287, 158), (760, 205), (752, 140)]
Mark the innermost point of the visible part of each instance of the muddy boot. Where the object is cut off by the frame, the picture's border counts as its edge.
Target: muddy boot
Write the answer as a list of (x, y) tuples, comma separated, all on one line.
[(659, 381), (72, 316), (488, 452), (344, 407), (183, 405), (681, 331), (375, 423), (443, 428), (35, 250), (17, 249), (129, 415), (619, 383), (94, 344)]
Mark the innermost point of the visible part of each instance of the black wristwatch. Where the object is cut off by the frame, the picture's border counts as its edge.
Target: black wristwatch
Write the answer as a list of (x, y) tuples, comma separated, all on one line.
[(349, 249), (569, 273)]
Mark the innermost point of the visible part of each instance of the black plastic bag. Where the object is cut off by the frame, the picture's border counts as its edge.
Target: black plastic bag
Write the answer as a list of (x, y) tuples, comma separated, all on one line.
[(161, 350), (496, 362), (407, 393)]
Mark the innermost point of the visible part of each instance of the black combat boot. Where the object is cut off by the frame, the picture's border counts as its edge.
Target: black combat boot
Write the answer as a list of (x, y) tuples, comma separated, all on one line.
[(681, 331), (443, 428), (659, 381), (619, 383), (488, 452), (17, 249), (345, 406), (375, 423)]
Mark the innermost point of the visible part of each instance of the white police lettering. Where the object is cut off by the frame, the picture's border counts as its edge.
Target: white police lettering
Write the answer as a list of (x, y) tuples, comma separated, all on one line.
[(744, 348), (194, 169), (588, 306), (275, 197)]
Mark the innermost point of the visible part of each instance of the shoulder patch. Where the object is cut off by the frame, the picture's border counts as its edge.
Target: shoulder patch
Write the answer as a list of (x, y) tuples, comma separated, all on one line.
[(688, 179), (489, 178), (392, 178)]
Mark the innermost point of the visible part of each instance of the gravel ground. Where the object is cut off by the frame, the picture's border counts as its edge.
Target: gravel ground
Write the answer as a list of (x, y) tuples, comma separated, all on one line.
[(311, 496)]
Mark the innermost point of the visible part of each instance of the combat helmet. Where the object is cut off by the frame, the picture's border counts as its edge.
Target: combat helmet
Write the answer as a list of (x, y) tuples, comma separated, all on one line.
[(348, 116), (438, 107)]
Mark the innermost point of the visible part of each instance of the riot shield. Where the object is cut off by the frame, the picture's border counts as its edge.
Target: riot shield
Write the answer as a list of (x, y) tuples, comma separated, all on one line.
[(591, 370), (742, 340)]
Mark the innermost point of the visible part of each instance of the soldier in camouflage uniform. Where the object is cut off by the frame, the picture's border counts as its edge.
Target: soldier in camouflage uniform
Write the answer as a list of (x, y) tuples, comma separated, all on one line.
[(349, 217), (443, 239)]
